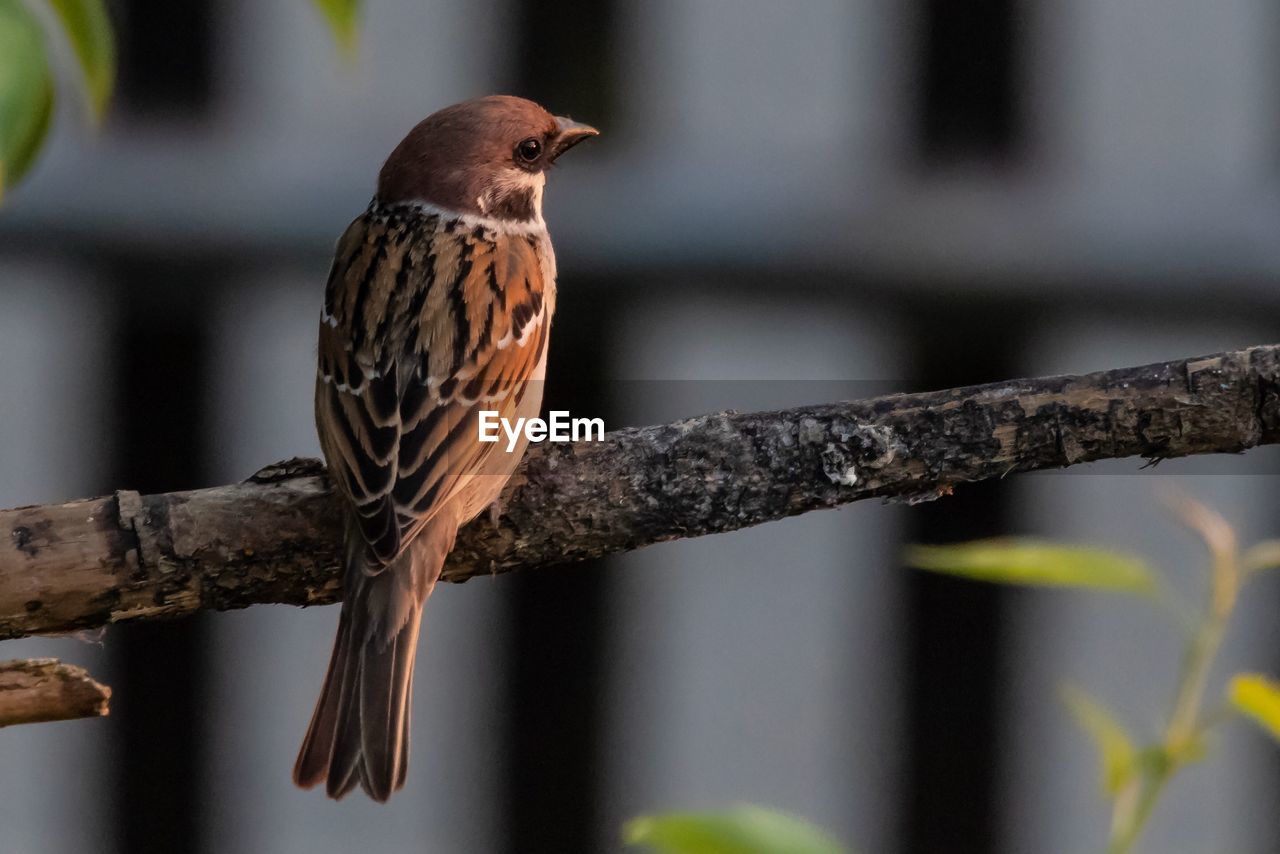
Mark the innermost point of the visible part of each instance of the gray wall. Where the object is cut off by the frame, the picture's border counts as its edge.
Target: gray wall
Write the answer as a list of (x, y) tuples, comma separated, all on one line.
[(756, 217)]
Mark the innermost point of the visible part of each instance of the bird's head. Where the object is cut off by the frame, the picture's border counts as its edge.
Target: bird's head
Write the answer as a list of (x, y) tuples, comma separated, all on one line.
[(486, 157)]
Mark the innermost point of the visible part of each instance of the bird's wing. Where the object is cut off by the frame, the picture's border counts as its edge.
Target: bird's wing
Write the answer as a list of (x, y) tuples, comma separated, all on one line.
[(426, 323)]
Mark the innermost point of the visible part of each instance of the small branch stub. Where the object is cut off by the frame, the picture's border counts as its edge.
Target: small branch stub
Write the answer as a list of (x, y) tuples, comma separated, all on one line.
[(44, 689)]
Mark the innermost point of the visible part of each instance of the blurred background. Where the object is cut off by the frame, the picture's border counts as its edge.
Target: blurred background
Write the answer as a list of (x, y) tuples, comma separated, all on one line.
[(787, 199)]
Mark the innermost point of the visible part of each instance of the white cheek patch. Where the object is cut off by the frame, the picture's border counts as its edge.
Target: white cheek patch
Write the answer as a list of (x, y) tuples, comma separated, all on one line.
[(514, 181), (518, 179), (537, 196)]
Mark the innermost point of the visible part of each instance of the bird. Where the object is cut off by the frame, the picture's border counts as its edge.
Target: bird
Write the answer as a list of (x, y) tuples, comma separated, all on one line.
[(438, 306)]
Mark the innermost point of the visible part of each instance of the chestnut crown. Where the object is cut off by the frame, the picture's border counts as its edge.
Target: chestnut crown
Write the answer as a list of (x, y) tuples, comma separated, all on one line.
[(487, 156)]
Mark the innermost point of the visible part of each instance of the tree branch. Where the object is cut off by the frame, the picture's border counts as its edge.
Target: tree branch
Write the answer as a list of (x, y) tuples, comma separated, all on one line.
[(275, 537), (45, 689)]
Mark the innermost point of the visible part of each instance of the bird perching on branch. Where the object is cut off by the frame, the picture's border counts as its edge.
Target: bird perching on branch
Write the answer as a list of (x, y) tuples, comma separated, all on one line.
[(438, 307)]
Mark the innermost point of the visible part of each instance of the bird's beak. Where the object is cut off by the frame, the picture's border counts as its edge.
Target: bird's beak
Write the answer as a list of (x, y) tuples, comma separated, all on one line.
[(570, 133)]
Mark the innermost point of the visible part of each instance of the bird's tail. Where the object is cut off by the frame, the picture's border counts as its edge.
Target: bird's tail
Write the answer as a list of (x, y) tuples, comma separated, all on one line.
[(359, 731)]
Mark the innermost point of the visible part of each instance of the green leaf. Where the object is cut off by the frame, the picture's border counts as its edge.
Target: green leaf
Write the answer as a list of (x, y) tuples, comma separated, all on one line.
[(1115, 748), (1012, 561), (88, 28), (26, 91), (343, 18), (742, 830), (1259, 698)]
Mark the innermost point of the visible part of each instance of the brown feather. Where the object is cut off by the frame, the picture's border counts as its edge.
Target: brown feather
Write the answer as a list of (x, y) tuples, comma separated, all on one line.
[(409, 353), (438, 306), (353, 434), (445, 159)]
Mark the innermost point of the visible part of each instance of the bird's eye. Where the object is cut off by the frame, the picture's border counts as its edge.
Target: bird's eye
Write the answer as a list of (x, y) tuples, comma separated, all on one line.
[(529, 150)]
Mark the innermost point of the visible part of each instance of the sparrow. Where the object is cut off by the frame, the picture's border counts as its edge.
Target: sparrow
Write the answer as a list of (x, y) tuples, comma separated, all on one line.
[(438, 306)]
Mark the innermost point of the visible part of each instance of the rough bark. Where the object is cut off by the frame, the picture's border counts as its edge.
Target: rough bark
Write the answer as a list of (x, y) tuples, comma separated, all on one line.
[(274, 538), (45, 689)]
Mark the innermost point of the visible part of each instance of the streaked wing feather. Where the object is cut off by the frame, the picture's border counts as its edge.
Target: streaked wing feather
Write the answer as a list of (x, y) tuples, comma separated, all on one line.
[(426, 323)]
